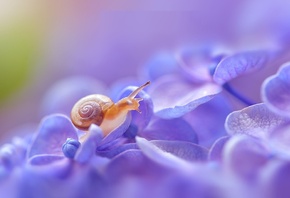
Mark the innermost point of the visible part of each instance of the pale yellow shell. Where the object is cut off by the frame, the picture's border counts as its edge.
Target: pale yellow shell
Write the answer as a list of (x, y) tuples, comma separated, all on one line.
[(90, 110)]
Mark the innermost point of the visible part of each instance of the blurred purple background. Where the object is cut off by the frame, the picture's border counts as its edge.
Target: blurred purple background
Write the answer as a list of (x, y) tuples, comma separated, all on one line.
[(110, 41)]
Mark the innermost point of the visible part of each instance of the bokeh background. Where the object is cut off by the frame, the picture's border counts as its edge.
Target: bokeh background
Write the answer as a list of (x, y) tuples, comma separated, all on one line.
[(43, 42)]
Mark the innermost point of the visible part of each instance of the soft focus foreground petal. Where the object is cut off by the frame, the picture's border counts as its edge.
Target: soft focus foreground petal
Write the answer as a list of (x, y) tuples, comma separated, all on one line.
[(239, 64), (244, 156), (47, 181), (52, 133), (49, 165), (208, 120), (276, 91), (216, 151), (162, 157), (133, 163), (173, 129), (275, 179), (204, 183), (256, 120), (11, 155), (279, 140), (196, 62), (61, 97), (132, 187), (44, 159), (174, 96), (88, 182), (89, 146), (185, 150), (160, 64), (110, 153), (146, 107)]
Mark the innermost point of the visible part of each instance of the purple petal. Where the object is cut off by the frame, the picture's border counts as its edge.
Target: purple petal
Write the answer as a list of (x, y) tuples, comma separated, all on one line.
[(173, 96), (13, 154), (239, 64), (89, 146), (174, 129), (146, 107), (50, 165), (133, 162), (213, 114), (44, 159), (162, 157), (275, 179), (256, 120), (196, 62), (245, 156), (215, 152), (64, 94), (279, 140), (116, 151), (276, 91), (52, 133), (161, 64), (185, 150)]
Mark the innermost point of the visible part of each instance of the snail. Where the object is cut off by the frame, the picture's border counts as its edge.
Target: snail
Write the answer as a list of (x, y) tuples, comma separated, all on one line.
[(102, 111)]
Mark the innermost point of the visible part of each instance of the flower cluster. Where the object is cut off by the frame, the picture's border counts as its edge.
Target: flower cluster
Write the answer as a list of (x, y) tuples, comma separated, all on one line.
[(188, 140)]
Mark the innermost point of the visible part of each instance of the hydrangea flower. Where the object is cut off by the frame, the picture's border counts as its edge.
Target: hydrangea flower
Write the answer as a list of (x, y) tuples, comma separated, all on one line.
[(187, 147)]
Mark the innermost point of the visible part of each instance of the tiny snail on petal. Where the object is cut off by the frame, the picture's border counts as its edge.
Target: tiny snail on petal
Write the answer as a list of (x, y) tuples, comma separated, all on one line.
[(102, 111)]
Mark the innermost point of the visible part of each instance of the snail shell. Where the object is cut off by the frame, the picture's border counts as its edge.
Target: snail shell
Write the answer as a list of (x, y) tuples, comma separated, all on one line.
[(90, 110)]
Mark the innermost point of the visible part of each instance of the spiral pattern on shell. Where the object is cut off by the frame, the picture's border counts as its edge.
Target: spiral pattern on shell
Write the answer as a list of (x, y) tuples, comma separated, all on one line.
[(89, 110)]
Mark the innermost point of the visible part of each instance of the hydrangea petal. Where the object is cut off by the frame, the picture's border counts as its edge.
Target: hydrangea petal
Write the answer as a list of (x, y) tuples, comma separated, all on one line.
[(49, 165), (173, 129), (12, 154), (245, 155), (279, 140), (89, 146), (195, 63), (110, 153), (52, 133), (173, 96), (213, 114), (61, 97), (161, 157), (121, 166), (239, 64), (146, 107), (215, 152), (276, 91), (275, 179), (185, 150), (44, 159), (256, 120)]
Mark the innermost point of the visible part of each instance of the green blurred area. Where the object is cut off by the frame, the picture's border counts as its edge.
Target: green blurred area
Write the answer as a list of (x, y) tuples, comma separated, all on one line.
[(18, 51)]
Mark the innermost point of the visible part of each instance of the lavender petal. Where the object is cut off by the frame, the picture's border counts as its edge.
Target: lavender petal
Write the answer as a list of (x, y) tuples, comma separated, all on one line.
[(52, 133), (173, 129), (256, 120), (181, 96), (239, 64), (276, 91)]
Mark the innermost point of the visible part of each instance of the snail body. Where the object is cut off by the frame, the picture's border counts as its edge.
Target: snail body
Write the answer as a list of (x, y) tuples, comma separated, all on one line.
[(102, 111)]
